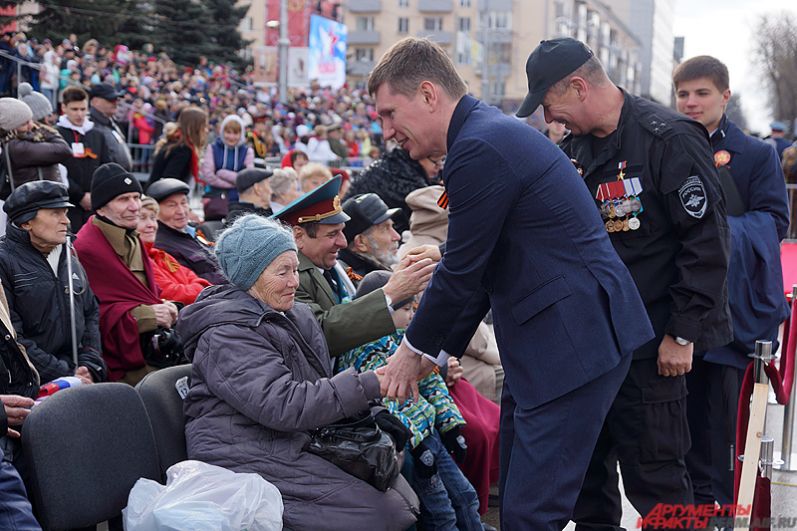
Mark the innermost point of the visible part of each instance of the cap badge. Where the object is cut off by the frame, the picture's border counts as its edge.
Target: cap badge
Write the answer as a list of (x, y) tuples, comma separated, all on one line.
[(128, 181)]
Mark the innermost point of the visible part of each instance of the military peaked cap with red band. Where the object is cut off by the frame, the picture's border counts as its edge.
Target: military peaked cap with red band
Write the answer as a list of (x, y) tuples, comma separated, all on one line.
[(321, 205)]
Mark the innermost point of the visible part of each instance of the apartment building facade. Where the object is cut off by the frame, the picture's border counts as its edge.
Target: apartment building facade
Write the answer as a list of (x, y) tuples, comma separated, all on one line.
[(490, 40)]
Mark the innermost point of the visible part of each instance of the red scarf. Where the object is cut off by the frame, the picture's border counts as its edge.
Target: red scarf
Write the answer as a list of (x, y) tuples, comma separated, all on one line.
[(118, 291)]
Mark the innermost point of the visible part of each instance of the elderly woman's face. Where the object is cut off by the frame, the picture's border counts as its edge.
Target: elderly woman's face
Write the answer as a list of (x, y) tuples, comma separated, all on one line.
[(277, 284), (147, 225)]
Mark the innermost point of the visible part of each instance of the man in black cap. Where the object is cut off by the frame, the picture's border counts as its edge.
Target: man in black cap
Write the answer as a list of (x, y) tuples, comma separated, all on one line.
[(103, 108), (254, 195), (176, 236), (34, 274), (120, 274), (372, 240), (653, 178)]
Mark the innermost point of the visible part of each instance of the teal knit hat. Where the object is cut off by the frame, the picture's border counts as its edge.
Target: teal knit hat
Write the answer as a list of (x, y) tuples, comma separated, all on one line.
[(249, 246)]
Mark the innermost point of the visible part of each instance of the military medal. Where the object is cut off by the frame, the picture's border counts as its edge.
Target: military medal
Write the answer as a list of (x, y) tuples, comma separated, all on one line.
[(619, 201), (721, 158)]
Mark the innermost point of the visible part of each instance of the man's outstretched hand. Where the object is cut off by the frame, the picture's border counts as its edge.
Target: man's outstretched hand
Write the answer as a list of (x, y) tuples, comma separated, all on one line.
[(399, 378)]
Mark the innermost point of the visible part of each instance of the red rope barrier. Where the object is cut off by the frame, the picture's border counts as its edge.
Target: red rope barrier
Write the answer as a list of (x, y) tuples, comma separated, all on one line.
[(781, 380)]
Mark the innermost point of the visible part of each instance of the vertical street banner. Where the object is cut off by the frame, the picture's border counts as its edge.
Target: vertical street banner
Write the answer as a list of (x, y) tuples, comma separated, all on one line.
[(327, 52)]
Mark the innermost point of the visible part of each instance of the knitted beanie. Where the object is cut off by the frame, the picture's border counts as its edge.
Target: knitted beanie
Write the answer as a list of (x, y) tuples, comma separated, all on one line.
[(13, 114), (109, 181), (38, 102), (246, 249)]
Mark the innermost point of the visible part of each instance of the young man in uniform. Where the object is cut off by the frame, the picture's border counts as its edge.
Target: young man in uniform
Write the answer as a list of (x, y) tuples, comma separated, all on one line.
[(758, 216), (651, 174)]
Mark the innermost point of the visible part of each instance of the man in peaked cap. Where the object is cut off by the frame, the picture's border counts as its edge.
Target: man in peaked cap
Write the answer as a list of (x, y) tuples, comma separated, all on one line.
[(38, 290), (121, 275), (318, 222), (176, 236), (372, 240)]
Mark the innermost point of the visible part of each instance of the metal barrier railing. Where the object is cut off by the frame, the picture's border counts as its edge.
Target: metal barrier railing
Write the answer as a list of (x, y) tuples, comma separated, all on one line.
[(20, 63)]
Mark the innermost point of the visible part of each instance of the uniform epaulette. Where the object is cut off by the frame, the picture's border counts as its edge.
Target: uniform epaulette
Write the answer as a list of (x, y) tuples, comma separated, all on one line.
[(661, 124)]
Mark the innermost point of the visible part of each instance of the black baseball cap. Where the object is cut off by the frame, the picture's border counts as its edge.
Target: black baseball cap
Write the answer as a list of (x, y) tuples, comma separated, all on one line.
[(105, 91), (550, 62), (365, 211)]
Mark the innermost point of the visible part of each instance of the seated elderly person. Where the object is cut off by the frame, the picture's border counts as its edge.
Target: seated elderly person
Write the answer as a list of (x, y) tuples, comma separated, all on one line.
[(35, 276), (254, 195), (318, 220), (261, 379), (313, 175), (284, 188), (176, 282), (372, 241), (176, 236), (120, 274)]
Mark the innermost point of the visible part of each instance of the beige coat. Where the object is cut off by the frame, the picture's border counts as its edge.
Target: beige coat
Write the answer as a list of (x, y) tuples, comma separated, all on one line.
[(429, 226)]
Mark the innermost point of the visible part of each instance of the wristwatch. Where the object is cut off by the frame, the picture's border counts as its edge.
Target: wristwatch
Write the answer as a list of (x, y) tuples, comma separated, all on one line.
[(681, 341)]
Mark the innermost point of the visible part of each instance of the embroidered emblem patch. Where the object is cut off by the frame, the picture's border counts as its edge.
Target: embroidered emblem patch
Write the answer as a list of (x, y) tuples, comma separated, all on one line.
[(693, 197)]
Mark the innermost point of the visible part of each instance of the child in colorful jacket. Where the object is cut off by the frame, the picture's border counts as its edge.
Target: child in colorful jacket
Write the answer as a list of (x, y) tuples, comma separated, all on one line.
[(448, 500)]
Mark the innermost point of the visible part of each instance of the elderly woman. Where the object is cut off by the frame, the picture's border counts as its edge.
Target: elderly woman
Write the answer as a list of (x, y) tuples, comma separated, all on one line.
[(176, 282), (262, 379)]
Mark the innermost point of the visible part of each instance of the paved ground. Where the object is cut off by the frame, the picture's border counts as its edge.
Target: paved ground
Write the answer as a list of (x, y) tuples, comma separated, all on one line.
[(784, 484)]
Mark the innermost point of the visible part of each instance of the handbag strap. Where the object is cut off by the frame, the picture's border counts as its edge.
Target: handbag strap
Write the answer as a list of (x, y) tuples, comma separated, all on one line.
[(10, 174)]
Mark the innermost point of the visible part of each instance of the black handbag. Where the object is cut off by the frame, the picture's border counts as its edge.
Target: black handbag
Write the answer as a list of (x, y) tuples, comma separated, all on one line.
[(358, 447), (162, 348)]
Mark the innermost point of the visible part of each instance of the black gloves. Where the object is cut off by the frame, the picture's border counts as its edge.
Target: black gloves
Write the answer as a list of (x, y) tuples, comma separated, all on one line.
[(455, 444), (423, 460), (393, 427)]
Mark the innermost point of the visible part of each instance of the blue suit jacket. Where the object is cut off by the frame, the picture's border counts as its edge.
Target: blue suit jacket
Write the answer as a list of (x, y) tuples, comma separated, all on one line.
[(526, 239), (755, 278)]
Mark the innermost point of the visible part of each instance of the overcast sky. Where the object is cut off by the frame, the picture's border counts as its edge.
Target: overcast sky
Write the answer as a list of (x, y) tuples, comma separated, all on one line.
[(724, 29)]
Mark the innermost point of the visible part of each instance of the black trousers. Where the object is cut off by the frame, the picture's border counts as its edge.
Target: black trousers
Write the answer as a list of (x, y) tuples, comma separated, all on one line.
[(646, 431), (712, 409)]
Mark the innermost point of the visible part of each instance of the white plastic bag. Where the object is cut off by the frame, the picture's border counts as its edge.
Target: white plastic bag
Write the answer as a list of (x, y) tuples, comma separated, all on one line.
[(201, 497)]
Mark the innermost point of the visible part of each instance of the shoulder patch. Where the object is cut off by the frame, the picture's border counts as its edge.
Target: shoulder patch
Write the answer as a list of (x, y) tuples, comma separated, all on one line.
[(693, 197)]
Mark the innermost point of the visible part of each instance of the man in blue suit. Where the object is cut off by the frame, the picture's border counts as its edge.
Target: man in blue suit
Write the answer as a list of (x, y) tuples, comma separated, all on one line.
[(525, 240)]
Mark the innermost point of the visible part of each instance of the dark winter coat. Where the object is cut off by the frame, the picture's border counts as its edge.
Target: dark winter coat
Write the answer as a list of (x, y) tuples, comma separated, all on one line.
[(260, 380), (114, 138), (189, 252), (35, 155), (39, 306), (392, 177), (175, 163), (17, 375)]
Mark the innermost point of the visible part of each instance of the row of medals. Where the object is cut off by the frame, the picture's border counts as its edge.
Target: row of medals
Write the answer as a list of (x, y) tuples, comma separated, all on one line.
[(621, 214)]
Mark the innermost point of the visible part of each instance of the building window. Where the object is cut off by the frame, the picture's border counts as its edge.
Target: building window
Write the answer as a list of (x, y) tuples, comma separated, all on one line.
[(404, 3), (403, 25), (365, 23), (433, 23), (247, 24), (364, 54), (463, 23), (499, 20), (498, 88), (464, 3)]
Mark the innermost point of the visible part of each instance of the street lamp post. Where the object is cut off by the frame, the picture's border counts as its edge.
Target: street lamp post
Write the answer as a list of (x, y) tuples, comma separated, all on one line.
[(283, 44)]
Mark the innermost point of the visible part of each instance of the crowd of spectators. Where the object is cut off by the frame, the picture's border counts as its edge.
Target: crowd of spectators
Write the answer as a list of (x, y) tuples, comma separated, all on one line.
[(333, 126), (80, 168)]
